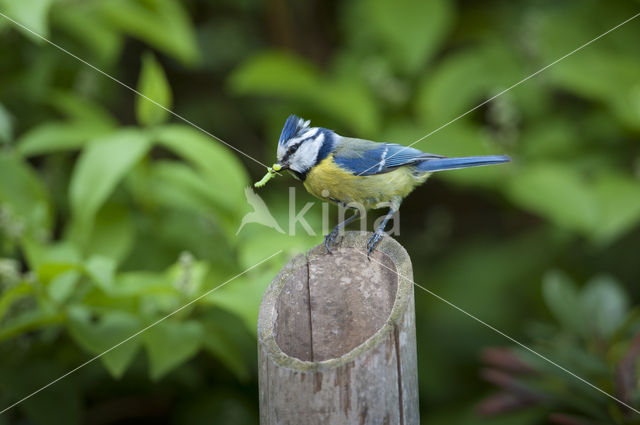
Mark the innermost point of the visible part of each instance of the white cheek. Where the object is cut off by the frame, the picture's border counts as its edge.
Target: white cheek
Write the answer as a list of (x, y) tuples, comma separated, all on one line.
[(305, 157)]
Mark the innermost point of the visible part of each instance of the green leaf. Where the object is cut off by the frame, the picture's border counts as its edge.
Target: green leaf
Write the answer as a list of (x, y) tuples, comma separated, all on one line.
[(224, 173), (283, 75), (348, 100), (172, 231), (221, 341), (153, 85), (262, 241), (113, 233), (606, 72), (557, 192), (59, 136), (163, 24), (411, 30), (80, 109), (30, 13), (101, 166), (55, 260), (242, 295), (275, 73), (171, 343), (603, 207), (139, 283), (6, 126), (178, 186), (101, 270), (85, 22), (62, 285), (618, 199), (51, 259), (29, 321), (109, 330), (612, 79), (604, 305), (463, 80), (562, 299), (24, 199), (550, 138), (9, 296)]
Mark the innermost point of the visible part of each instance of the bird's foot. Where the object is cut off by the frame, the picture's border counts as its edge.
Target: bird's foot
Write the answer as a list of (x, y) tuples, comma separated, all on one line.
[(330, 239), (373, 241)]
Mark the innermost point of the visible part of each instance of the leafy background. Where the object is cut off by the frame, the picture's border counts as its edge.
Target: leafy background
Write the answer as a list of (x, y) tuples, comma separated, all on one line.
[(113, 213)]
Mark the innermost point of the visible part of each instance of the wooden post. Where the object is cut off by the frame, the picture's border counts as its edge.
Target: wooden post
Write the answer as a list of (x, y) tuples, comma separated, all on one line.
[(336, 338)]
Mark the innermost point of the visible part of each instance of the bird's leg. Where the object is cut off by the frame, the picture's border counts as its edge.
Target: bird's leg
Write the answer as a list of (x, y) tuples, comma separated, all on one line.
[(331, 237), (379, 233)]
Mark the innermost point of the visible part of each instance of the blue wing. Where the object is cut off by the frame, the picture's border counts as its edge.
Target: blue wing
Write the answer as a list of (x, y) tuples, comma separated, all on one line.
[(366, 158)]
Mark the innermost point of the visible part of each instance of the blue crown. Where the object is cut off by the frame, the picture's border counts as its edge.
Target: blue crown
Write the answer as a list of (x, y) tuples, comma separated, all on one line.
[(292, 127)]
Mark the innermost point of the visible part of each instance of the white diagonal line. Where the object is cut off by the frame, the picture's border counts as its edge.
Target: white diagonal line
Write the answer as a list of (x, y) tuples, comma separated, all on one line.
[(136, 334), (95, 68), (493, 328), (544, 68)]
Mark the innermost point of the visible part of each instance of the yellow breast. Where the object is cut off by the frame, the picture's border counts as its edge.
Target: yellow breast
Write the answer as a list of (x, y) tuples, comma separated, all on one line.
[(328, 181)]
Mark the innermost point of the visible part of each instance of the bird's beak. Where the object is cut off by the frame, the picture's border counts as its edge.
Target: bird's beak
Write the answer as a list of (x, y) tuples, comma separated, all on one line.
[(279, 167)]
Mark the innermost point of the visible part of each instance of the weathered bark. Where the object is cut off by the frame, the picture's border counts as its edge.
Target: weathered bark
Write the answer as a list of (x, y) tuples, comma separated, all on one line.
[(336, 338)]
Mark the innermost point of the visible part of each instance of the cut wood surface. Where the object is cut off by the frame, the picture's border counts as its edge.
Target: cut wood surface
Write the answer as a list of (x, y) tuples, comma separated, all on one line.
[(336, 338)]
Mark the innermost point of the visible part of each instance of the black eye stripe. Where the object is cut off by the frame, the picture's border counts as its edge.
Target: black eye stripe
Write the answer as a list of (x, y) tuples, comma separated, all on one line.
[(293, 148)]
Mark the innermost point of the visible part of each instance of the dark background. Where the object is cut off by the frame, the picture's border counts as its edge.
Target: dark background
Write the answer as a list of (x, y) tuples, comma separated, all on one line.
[(114, 213)]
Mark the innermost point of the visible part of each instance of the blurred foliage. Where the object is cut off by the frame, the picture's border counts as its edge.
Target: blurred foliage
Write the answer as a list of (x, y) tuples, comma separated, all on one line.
[(113, 213), (596, 333)]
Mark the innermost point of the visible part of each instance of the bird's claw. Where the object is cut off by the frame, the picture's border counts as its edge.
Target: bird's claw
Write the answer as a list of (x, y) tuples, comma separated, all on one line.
[(373, 241), (330, 239)]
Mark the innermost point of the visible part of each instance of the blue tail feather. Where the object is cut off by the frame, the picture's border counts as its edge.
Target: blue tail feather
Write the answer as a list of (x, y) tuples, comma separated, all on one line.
[(439, 164)]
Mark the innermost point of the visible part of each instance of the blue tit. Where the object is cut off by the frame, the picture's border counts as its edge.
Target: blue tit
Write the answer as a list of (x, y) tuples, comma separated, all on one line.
[(357, 173)]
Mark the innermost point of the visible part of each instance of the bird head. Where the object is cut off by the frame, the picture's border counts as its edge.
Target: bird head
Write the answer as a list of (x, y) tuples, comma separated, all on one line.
[(300, 146)]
